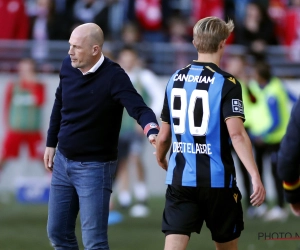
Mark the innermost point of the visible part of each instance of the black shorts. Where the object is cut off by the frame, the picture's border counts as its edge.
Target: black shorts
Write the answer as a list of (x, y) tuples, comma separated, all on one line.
[(187, 208)]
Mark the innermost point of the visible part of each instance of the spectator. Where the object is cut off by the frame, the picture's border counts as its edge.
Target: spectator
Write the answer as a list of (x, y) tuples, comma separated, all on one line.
[(42, 21), (179, 38), (201, 9), (131, 141), (14, 20), (46, 19), (292, 20), (85, 11), (277, 10), (257, 30), (23, 104), (152, 16), (235, 9), (131, 34), (266, 132), (111, 19), (292, 30), (63, 20), (289, 161)]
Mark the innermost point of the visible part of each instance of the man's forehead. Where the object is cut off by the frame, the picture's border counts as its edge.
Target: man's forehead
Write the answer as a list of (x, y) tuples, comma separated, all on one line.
[(77, 39)]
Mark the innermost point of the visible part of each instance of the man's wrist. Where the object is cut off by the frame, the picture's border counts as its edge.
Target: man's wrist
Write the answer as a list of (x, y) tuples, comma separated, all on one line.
[(151, 128)]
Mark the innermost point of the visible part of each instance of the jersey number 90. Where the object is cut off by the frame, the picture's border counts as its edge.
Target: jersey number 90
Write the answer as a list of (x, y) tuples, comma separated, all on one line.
[(187, 110)]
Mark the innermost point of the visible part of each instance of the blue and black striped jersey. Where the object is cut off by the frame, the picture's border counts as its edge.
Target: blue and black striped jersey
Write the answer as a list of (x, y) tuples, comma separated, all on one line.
[(198, 100)]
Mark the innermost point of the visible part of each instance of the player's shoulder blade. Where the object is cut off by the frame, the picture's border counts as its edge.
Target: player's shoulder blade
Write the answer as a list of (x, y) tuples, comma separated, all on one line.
[(230, 78)]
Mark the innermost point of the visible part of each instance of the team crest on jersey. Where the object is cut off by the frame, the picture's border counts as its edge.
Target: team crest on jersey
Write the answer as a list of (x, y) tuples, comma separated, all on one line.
[(237, 106), (231, 79), (235, 196)]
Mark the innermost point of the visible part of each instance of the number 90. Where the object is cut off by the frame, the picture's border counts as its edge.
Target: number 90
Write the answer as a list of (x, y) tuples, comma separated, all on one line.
[(182, 112)]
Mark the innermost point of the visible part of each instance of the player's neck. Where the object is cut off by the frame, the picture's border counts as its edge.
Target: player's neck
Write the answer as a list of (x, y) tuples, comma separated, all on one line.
[(209, 58)]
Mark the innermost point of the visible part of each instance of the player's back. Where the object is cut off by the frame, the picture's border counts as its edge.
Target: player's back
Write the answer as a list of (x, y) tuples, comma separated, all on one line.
[(199, 98)]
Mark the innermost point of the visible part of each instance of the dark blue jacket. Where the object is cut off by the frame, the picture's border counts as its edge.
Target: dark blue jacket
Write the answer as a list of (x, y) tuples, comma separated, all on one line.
[(87, 112), (289, 157)]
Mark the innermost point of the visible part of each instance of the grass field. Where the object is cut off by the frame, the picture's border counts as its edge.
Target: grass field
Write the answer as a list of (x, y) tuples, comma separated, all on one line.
[(23, 227)]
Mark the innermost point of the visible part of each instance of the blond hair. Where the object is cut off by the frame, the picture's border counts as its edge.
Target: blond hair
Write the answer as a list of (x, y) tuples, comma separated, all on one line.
[(209, 32)]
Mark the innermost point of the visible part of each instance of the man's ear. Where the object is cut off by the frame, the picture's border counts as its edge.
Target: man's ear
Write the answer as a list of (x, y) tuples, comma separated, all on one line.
[(194, 43), (222, 44), (96, 50)]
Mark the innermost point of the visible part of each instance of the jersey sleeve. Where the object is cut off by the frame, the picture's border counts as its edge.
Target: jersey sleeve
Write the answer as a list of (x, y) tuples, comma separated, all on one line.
[(232, 101), (165, 114)]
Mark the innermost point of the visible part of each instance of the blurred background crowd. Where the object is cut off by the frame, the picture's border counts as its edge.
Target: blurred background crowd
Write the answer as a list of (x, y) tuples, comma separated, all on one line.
[(150, 39), (159, 28)]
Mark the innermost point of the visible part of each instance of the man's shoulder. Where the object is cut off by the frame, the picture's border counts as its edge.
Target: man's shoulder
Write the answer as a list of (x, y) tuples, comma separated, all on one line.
[(108, 64)]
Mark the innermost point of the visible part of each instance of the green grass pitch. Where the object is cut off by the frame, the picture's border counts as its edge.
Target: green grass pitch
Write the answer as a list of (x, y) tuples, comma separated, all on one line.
[(23, 227)]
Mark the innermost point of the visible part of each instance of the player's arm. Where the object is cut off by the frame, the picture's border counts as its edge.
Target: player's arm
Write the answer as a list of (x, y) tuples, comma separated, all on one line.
[(163, 143), (233, 114), (243, 148), (164, 137)]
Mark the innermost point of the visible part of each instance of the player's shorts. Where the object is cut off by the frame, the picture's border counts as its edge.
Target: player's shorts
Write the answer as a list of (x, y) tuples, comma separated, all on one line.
[(14, 139), (130, 143), (187, 208)]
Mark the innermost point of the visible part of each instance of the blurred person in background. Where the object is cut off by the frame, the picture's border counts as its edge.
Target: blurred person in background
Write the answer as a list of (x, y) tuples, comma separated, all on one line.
[(272, 114), (84, 126), (292, 20), (256, 31), (131, 140), (23, 105), (131, 34), (151, 16), (14, 26), (202, 111), (111, 18), (14, 20), (42, 24), (292, 30), (179, 38), (277, 10), (85, 11), (289, 161), (201, 9), (50, 19)]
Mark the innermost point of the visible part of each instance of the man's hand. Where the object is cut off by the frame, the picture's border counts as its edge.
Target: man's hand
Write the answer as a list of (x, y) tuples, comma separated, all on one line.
[(295, 208), (48, 158), (152, 140), (163, 164), (259, 193)]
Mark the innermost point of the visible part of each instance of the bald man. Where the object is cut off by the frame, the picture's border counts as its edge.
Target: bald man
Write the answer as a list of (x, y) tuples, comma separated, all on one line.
[(83, 135)]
